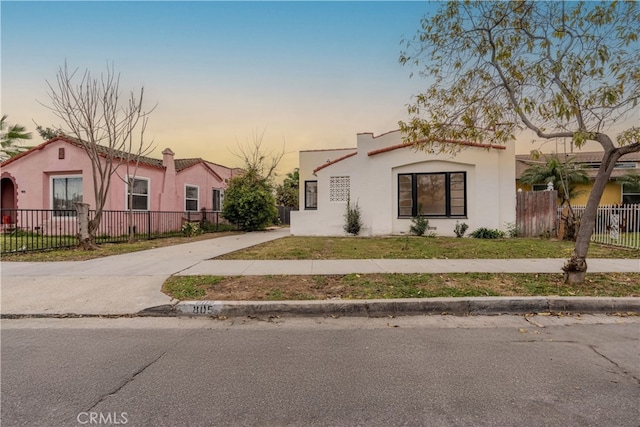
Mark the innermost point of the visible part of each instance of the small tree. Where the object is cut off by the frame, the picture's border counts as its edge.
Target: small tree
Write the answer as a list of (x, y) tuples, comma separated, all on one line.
[(287, 192), (564, 176), (47, 133), (558, 69), (93, 113), (352, 219), (249, 202), (9, 136)]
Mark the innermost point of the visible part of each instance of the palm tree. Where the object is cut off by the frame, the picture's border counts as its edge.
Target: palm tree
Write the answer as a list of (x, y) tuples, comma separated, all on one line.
[(9, 137), (565, 175)]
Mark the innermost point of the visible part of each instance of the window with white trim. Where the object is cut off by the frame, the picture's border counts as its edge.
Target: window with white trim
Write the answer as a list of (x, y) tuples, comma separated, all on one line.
[(139, 194), (191, 197), (441, 194), (630, 193), (65, 191)]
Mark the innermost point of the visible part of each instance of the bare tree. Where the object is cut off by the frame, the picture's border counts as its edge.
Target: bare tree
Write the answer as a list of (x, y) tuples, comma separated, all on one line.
[(249, 199), (256, 159), (560, 70), (133, 151), (92, 111)]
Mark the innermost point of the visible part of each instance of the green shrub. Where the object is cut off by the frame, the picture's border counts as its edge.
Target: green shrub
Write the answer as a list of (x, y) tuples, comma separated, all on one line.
[(486, 233), (460, 229), (353, 222), (418, 225), (191, 229), (249, 202), (512, 230)]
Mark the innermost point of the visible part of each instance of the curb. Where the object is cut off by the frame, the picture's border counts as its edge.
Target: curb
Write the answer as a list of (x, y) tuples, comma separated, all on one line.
[(411, 306)]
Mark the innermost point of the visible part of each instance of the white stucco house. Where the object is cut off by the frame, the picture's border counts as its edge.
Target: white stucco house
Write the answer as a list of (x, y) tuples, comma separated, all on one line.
[(390, 180)]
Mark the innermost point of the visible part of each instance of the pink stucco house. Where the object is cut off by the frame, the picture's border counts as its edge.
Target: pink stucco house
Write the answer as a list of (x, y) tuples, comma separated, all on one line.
[(58, 173)]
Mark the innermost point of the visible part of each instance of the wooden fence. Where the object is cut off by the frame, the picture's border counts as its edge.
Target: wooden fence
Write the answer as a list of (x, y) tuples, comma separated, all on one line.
[(536, 213)]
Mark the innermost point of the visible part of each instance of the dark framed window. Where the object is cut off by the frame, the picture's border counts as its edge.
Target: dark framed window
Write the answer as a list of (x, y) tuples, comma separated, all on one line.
[(311, 194), (539, 187), (630, 193), (217, 200), (190, 198), (441, 194)]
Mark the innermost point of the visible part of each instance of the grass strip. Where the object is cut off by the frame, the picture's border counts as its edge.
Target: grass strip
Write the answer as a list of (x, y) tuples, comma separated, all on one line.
[(391, 286)]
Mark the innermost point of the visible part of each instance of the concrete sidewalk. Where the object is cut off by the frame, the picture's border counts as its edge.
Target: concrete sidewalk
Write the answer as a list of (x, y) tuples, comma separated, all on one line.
[(120, 284), (130, 283), (406, 266)]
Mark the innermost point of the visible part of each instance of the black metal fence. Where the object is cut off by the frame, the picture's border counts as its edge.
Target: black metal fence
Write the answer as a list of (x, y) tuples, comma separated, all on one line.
[(38, 229)]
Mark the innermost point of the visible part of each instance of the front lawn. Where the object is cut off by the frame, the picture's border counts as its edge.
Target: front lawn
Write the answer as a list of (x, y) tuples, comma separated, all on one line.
[(411, 247)]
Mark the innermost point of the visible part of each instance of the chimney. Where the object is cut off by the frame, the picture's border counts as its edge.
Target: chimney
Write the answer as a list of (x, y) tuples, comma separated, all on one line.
[(167, 159), (169, 197)]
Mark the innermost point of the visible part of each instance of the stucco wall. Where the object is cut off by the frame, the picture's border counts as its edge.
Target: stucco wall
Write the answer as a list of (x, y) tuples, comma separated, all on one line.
[(33, 173), (374, 186), (199, 176)]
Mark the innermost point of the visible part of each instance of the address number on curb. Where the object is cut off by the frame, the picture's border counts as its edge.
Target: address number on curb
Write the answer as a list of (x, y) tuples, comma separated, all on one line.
[(203, 309)]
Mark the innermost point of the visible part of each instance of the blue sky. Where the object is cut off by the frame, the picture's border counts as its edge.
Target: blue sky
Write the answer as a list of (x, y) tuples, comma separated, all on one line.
[(310, 74)]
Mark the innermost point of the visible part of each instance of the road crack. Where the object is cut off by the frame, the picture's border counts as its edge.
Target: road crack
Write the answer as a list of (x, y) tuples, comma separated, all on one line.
[(614, 363), (127, 381)]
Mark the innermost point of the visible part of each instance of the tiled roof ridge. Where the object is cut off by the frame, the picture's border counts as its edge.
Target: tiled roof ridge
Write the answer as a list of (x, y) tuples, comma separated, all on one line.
[(149, 161), (346, 156), (412, 144)]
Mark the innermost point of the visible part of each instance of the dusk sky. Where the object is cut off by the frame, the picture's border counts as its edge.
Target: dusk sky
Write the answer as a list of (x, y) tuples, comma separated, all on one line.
[(311, 75)]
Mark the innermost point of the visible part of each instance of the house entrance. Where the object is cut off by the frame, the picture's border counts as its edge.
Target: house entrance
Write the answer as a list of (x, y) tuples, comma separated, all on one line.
[(8, 200)]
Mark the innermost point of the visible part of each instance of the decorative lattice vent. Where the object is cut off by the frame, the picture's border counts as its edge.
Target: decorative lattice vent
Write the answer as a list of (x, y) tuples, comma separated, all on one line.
[(339, 188)]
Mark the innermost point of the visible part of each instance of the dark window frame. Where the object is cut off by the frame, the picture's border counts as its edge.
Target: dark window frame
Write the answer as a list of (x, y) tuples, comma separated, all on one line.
[(307, 199), (631, 196), (216, 204), (414, 195)]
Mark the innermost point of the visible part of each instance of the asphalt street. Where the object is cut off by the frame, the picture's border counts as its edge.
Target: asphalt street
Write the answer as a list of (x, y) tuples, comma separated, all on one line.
[(417, 371)]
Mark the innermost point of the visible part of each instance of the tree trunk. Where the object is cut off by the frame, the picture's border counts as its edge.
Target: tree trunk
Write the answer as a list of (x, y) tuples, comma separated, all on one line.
[(86, 228), (575, 268)]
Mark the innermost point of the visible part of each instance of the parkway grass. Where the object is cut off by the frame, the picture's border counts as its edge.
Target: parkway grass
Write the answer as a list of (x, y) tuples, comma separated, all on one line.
[(373, 286), (390, 286)]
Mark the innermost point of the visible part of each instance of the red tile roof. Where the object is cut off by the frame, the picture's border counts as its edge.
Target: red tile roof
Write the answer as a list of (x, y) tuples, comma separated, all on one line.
[(181, 164), (346, 156), (464, 143)]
